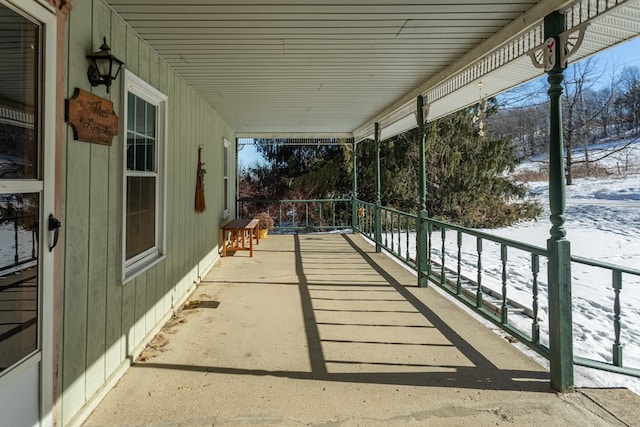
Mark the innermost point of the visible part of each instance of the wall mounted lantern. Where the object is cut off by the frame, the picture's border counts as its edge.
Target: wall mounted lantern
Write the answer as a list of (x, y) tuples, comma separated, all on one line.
[(104, 66)]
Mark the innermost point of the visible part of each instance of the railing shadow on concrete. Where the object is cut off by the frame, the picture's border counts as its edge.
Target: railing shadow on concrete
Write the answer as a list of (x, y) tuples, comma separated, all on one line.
[(375, 330)]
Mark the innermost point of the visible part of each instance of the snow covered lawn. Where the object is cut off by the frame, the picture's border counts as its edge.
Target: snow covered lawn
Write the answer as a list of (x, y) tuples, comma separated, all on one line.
[(603, 224)]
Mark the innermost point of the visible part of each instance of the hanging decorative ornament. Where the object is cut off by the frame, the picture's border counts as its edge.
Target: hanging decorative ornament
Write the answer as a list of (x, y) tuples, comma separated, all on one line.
[(480, 110)]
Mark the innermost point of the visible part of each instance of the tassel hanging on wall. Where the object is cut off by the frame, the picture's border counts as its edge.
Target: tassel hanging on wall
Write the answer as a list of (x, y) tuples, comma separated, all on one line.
[(200, 202)]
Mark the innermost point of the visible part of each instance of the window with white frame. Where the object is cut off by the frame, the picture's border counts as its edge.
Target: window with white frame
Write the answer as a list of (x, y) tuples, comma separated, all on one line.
[(144, 182), (226, 191)]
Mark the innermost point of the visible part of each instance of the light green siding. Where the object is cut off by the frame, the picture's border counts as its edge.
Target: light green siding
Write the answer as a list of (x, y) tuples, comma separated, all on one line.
[(104, 322)]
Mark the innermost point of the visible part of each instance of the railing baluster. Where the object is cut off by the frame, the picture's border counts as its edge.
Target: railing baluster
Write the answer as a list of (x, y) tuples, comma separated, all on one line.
[(372, 220), (617, 347), (333, 209), (294, 213), (504, 310), (459, 267), (479, 284), (535, 327), (443, 236), (408, 224), (384, 224), (429, 236), (400, 218), (365, 220), (393, 232), (306, 212), (398, 233), (280, 213)]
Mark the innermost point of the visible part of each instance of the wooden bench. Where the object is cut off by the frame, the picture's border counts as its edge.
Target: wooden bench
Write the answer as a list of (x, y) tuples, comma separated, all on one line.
[(241, 235)]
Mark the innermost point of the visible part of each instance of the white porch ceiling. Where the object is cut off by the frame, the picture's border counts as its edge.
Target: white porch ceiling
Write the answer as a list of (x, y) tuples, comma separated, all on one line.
[(332, 68)]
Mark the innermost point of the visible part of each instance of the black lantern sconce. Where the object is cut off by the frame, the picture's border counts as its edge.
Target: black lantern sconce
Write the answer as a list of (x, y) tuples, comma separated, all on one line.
[(104, 66)]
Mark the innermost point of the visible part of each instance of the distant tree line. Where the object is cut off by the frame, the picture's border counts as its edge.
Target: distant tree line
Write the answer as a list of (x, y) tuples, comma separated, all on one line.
[(470, 154), (467, 176), (596, 108)]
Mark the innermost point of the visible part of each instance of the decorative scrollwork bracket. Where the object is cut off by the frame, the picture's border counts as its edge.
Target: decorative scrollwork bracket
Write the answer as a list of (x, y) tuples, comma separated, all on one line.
[(544, 56), (571, 40)]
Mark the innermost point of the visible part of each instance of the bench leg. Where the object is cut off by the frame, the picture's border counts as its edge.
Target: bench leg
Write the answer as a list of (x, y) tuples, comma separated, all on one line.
[(224, 244)]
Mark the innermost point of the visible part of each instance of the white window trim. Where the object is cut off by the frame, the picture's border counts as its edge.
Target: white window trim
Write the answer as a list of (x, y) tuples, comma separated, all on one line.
[(145, 260), (226, 179)]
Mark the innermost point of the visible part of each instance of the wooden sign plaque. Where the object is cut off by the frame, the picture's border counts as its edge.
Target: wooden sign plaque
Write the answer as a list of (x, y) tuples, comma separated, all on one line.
[(92, 118)]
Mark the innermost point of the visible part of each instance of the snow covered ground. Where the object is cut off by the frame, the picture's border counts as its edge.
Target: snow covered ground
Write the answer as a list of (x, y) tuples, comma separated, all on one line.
[(603, 223)]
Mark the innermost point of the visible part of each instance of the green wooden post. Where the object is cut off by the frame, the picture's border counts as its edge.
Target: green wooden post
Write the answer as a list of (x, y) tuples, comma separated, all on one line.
[(559, 273), (422, 263), (354, 191), (378, 201)]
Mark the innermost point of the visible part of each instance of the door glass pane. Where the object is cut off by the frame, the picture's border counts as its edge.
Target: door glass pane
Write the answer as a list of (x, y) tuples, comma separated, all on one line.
[(19, 146), (19, 213)]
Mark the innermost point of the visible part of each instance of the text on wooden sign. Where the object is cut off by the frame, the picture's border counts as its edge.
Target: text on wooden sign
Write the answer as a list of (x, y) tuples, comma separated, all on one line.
[(92, 118)]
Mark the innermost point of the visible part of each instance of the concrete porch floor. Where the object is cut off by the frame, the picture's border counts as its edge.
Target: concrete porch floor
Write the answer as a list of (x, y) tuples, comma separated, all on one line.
[(320, 330)]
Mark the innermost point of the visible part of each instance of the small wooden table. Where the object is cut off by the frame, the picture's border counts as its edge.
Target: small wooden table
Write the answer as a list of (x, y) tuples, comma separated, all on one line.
[(242, 232)]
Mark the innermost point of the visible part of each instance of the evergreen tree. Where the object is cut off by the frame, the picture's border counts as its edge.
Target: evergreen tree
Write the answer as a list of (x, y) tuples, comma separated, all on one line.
[(467, 177), (319, 171), (467, 174)]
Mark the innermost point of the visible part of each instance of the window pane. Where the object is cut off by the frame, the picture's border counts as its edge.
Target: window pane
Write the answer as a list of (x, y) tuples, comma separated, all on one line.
[(141, 215), (226, 161), (141, 142), (140, 155), (131, 152), (18, 276), (150, 152), (226, 193), (140, 116), (151, 121), (131, 112)]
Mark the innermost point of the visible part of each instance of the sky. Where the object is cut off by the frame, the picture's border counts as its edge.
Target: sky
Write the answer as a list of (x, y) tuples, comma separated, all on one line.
[(614, 58), (248, 156)]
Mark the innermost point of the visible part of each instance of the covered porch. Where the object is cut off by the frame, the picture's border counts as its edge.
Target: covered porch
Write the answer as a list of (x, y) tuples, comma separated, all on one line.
[(321, 329), (314, 329), (372, 71)]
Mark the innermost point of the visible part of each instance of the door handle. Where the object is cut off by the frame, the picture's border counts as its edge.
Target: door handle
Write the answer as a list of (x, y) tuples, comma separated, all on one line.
[(54, 225)]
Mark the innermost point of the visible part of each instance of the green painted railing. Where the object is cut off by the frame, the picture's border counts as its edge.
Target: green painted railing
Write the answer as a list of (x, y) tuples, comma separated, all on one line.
[(457, 263), (300, 214), (614, 315), (396, 229), (509, 289)]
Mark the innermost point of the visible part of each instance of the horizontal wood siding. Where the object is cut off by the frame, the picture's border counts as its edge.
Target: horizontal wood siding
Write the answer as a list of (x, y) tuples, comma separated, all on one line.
[(103, 321)]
